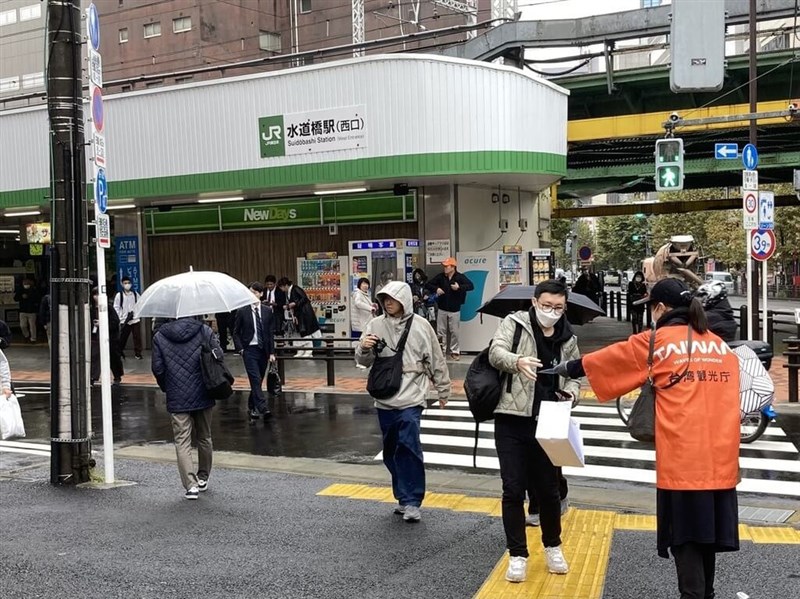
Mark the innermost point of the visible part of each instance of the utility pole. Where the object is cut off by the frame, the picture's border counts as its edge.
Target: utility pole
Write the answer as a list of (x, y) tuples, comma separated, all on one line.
[(752, 274), (70, 408)]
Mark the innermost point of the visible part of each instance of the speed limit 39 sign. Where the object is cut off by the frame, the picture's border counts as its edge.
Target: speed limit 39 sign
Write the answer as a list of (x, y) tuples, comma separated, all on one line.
[(762, 244)]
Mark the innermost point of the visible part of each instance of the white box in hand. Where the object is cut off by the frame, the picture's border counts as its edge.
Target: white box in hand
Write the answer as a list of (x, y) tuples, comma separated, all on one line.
[(559, 434)]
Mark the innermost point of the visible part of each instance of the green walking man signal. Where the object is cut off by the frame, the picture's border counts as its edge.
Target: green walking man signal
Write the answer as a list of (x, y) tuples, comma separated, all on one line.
[(669, 164)]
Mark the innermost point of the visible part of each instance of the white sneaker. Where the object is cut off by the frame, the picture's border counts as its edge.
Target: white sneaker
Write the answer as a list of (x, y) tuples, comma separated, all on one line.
[(192, 493), (411, 513), (532, 520), (555, 560), (517, 569), (361, 367)]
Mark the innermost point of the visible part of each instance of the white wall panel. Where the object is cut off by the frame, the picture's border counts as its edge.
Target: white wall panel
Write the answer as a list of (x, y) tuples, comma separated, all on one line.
[(414, 104)]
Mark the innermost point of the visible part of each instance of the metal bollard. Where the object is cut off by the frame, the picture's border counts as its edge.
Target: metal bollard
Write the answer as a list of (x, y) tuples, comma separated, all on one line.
[(744, 322), (770, 324), (618, 297), (330, 364), (610, 304), (792, 354)]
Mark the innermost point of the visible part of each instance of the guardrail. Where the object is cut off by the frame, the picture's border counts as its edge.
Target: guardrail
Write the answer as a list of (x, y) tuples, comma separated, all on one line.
[(333, 349)]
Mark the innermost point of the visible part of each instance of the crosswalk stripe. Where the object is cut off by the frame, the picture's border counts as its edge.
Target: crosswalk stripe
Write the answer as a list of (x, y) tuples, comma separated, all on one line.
[(769, 465), (25, 447)]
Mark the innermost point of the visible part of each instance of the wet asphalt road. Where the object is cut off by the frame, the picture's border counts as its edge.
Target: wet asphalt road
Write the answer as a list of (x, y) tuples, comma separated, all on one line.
[(336, 427)]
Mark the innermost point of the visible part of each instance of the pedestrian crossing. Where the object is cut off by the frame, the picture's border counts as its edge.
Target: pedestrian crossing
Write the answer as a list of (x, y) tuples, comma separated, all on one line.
[(770, 465), (25, 447)]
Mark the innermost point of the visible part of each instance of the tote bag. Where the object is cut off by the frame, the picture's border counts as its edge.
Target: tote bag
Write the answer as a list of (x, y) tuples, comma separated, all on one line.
[(11, 426)]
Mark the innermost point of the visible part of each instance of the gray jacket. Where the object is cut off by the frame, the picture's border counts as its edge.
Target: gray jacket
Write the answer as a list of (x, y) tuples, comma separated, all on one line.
[(520, 401), (422, 358)]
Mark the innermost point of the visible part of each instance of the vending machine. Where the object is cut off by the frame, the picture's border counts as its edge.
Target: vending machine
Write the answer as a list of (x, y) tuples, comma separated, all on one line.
[(323, 276), (489, 272), (542, 265), (372, 258)]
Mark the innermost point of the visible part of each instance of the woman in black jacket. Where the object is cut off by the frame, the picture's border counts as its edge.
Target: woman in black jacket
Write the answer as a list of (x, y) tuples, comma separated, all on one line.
[(299, 307), (176, 365), (636, 290), (114, 351)]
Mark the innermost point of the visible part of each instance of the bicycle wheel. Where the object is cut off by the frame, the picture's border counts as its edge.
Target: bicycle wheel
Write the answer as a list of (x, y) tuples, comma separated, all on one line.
[(624, 407), (752, 427)]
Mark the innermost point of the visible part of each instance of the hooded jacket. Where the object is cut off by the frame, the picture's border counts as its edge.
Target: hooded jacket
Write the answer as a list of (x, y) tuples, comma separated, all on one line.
[(362, 310), (697, 419), (520, 401), (176, 364), (422, 358)]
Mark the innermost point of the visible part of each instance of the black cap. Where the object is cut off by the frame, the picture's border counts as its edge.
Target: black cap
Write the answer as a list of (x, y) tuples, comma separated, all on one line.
[(670, 292)]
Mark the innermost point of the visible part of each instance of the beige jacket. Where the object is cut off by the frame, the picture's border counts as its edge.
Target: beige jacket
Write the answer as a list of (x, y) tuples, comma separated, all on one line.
[(520, 402)]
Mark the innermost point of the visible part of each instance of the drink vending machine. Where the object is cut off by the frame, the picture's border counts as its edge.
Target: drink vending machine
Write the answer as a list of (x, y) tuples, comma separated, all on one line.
[(541, 265), (323, 276), (373, 258)]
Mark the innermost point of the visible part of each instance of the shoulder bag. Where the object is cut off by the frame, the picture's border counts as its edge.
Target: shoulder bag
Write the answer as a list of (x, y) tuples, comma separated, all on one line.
[(642, 421), (216, 376), (386, 374)]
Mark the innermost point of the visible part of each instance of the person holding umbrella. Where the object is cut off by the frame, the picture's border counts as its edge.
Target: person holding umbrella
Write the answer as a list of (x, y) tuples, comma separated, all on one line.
[(545, 337), (180, 301)]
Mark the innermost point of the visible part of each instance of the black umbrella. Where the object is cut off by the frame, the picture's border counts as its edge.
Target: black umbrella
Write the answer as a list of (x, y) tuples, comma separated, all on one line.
[(580, 309)]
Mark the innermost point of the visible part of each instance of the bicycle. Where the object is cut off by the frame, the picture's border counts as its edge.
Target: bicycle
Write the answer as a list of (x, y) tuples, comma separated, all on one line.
[(751, 428)]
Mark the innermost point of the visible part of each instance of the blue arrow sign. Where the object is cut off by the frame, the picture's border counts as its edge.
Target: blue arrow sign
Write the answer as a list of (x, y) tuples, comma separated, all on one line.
[(101, 191), (93, 26), (750, 157), (726, 151)]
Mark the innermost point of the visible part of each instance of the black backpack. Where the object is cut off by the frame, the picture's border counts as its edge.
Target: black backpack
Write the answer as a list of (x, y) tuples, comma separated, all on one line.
[(386, 375), (483, 386)]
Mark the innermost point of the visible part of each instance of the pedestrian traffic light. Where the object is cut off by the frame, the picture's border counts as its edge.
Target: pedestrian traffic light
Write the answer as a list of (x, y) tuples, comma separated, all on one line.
[(669, 164)]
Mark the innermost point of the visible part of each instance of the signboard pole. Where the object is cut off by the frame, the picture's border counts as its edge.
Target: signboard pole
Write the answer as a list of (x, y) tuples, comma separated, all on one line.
[(750, 270), (102, 236), (764, 300)]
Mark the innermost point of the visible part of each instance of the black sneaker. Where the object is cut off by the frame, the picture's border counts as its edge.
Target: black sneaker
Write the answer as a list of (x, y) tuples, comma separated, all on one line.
[(266, 414), (193, 493), (139, 357), (202, 484), (254, 415)]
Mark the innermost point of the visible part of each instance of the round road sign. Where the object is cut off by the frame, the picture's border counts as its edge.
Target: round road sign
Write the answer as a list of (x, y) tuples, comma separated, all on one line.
[(750, 202), (762, 244), (93, 26), (97, 109), (585, 252)]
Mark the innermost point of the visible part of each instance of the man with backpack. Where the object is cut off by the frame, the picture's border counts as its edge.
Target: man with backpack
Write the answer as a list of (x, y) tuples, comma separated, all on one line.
[(523, 343), (404, 353), (124, 303)]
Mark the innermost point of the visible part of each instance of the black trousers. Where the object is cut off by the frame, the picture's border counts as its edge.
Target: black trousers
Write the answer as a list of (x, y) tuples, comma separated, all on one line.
[(563, 489), (125, 332), (695, 563), (255, 364), (637, 317), (224, 327), (523, 461)]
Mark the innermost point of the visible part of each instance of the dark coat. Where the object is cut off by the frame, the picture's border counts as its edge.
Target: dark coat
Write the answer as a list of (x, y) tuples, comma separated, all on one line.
[(176, 364), (28, 300), (721, 320), (307, 322), (636, 291), (243, 328), (451, 301), (114, 352), (277, 310)]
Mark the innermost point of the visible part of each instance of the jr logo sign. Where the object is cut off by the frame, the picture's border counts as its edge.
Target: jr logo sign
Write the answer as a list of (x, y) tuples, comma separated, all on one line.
[(271, 136)]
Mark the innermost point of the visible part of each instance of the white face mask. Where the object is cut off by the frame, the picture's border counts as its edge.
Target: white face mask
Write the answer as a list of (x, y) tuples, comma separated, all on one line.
[(126, 286), (547, 320)]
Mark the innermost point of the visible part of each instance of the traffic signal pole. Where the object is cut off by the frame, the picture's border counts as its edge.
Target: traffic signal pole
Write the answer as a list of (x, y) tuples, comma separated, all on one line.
[(70, 409), (752, 265)]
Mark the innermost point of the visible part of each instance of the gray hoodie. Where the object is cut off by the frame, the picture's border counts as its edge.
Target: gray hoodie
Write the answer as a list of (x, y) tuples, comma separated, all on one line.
[(422, 358)]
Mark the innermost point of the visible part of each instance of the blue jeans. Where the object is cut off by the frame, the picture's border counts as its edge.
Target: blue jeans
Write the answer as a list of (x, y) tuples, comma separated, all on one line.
[(255, 364), (402, 453)]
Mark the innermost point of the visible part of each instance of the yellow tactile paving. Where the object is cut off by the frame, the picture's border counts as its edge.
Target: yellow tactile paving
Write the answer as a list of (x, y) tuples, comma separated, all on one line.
[(587, 539), (635, 522), (586, 536), (773, 534)]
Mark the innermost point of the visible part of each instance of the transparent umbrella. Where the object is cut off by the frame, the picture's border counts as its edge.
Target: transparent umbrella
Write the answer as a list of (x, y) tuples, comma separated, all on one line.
[(193, 293)]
